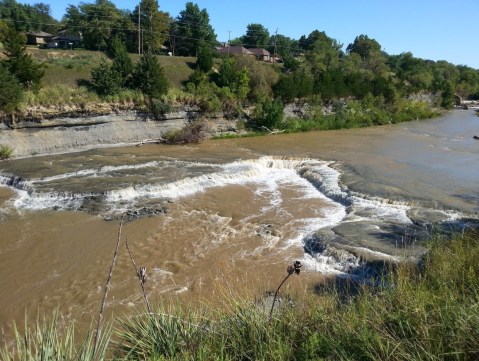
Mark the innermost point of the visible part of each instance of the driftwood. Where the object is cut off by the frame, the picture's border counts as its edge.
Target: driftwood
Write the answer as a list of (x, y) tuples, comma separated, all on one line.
[(151, 141), (272, 131)]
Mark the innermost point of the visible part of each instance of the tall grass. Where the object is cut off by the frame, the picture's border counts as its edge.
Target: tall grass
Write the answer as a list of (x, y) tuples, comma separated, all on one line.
[(52, 340), (424, 311)]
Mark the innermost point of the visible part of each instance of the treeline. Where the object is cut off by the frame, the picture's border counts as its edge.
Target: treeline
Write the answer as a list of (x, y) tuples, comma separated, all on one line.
[(144, 29), (373, 87)]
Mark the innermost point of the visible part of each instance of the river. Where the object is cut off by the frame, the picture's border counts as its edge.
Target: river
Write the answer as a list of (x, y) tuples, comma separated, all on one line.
[(227, 216)]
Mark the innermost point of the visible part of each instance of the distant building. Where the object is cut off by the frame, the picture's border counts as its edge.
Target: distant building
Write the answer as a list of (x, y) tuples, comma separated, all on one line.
[(234, 50), (65, 40), (261, 54), (38, 38)]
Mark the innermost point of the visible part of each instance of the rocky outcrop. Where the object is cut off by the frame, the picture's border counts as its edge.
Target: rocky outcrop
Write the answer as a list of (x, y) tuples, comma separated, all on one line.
[(39, 132)]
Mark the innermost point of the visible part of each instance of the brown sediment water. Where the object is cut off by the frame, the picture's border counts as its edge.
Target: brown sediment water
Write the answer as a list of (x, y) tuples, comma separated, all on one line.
[(223, 216)]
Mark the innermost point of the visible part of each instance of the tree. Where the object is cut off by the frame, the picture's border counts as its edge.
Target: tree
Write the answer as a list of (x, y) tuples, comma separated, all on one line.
[(154, 25), (192, 27), (364, 46), (257, 36), (23, 17), (122, 63), (269, 114), (98, 22), (105, 79), (204, 60), (149, 77), (447, 95), (11, 92), (28, 72)]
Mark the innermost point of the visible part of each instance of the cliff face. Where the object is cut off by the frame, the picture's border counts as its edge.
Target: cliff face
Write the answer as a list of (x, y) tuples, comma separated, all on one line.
[(38, 135)]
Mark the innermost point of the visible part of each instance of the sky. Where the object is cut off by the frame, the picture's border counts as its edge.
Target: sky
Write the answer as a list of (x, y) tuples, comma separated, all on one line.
[(429, 29)]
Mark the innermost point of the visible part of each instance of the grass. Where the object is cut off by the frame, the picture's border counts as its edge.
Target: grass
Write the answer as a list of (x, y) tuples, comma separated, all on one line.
[(52, 340), (425, 311)]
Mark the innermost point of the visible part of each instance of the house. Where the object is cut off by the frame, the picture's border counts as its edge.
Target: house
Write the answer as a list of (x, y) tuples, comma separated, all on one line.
[(40, 38), (234, 50), (64, 40), (261, 54)]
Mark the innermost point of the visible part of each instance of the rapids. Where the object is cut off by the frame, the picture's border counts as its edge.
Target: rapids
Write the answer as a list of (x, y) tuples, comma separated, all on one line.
[(227, 216)]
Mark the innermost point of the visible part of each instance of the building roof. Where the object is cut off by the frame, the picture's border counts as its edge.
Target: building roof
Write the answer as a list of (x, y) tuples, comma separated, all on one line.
[(234, 50), (40, 34), (260, 51)]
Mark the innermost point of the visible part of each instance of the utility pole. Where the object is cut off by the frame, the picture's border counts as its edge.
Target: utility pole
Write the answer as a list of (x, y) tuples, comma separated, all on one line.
[(275, 44), (229, 35)]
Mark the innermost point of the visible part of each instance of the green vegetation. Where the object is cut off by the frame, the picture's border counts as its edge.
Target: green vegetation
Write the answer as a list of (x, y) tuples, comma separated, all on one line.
[(362, 85), (5, 152), (46, 340), (424, 311)]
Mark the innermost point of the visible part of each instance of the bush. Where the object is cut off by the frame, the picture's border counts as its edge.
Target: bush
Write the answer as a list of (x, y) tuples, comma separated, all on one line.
[(269, 114), (194, 132), (5, 152), (106, 80), (158, 108)]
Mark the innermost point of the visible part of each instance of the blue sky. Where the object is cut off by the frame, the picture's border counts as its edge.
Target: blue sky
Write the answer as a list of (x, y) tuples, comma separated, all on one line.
[(430, 29)]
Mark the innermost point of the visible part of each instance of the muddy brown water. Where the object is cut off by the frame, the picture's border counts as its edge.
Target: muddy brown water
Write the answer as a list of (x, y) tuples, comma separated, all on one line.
[(232, 214)]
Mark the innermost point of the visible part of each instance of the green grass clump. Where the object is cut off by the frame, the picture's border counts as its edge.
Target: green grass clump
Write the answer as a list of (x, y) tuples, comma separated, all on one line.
[(54, 341)]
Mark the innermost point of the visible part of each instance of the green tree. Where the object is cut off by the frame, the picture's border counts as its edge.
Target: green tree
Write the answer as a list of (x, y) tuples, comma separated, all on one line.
[(257, 36), (149, 77), (28, 72), (24, 17), (11, 92), (105, 79), (364, 46), (122, 63), (269, 114), (192, 27), (98, 22), (154, 25), (227, 73), (204, 60), (447, 95), (242, 83)]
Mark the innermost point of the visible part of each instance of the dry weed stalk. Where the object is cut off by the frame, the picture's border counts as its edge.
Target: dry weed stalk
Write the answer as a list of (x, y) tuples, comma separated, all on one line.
[(292, 269), (107, 287), (141, 273)]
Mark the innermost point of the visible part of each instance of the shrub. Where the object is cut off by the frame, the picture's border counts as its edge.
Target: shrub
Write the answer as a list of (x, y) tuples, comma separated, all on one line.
[(105, 79), (158, 108), (269, 114), (194, 132), (5, 152)]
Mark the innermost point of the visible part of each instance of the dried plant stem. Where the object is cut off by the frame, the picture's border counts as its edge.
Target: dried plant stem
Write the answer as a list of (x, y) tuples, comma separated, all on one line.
[(107, 287), (292, 269), (137, 272), (276, 294)]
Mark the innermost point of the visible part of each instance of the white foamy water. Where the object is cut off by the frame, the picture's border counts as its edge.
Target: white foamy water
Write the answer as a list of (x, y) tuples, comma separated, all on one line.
[(303, 180)]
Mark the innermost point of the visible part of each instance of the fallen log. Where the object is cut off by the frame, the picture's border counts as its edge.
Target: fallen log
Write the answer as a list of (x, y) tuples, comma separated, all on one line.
[(151, 141)]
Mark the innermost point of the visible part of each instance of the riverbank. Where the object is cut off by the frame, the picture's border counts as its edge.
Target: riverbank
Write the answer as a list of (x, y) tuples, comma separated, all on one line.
[(53, 135), (42, 131)]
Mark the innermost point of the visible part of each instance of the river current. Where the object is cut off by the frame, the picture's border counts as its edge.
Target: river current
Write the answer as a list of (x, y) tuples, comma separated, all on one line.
[(228, 216)]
